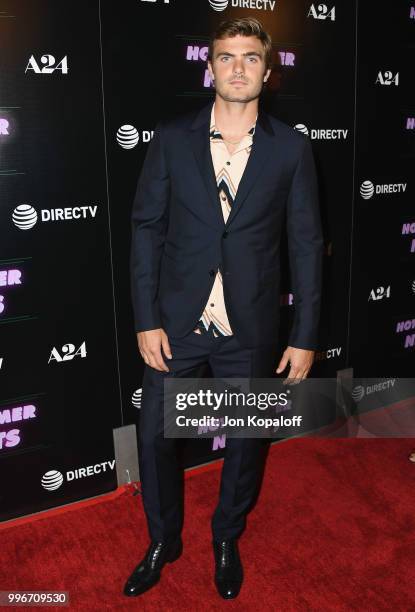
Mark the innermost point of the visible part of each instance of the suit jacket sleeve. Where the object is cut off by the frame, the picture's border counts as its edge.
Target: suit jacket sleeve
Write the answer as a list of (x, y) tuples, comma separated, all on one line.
[(149, 225), (305, 247)]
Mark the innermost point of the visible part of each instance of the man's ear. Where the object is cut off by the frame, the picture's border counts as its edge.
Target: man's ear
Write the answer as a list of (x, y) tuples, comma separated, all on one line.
[(266, 75), (212, 76)]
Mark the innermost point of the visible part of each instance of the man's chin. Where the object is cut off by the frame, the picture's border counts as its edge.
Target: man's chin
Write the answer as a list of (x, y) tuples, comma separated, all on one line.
[(237, 97)]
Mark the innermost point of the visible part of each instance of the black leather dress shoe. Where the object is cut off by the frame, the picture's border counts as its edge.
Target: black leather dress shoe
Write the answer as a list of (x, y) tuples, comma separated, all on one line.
[(228, 568), (148, 571)]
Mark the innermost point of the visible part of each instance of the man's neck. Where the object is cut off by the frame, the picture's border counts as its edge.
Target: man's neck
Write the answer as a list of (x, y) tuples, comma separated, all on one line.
[(235, 117)]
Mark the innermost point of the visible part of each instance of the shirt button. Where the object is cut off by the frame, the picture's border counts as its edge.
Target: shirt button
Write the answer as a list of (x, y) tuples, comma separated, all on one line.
[(212, 304), (212, 272), (223, 197), (228, 163)]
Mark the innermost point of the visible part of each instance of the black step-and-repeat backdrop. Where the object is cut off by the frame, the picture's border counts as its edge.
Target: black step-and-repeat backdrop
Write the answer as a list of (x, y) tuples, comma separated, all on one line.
[(59, 382), (82, 86), (382, 330)]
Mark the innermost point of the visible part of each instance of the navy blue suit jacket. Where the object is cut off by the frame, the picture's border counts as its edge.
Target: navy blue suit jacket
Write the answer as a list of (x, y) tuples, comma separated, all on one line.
[(179, 237)]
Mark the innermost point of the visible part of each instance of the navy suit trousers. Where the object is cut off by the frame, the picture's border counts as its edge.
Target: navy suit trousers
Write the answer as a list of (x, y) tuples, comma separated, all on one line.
[(160, 474)]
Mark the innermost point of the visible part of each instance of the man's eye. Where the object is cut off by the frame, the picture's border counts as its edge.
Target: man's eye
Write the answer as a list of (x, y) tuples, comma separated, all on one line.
[(253, 58)]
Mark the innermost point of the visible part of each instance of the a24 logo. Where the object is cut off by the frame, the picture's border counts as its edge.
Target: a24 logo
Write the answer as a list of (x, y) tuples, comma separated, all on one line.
[(47, 65), (380, 293), (322, 12), (68, 352), (387, 78)]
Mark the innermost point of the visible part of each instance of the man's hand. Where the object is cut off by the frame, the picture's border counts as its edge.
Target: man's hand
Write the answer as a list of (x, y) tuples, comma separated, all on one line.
[(149, 345), (301, 361)]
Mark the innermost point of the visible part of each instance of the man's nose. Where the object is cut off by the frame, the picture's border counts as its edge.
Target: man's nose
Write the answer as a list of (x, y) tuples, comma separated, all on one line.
[(238, 67)]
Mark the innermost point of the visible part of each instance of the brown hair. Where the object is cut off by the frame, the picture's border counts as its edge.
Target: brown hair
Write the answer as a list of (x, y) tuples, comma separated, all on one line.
[(246, 26)]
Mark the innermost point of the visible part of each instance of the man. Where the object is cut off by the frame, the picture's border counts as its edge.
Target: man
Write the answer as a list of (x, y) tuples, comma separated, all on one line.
[(211, 202)]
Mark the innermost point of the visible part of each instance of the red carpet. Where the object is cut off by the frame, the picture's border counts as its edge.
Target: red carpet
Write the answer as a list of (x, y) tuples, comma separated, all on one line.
[(333, 529)]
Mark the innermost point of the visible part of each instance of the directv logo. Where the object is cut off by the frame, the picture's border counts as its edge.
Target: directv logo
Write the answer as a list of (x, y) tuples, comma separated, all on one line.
[(368, 189), (264, 5), (53, 479), (218, 5), (127, 136), (357, 393), (136, 398), (322, 134), (24, 216), (360, 391)]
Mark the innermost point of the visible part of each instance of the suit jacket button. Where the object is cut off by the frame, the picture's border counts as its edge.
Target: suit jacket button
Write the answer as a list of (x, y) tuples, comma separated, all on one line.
[(225, 234), (212, 272)]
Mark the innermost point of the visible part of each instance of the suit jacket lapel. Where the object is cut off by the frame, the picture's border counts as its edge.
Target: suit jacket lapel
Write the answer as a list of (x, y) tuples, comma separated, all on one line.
[(262, 149), (200, 142), (260, 152)]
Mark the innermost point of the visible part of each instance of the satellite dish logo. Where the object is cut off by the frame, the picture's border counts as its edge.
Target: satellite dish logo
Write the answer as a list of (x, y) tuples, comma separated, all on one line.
[(218, 5), (300, 127), (367, 189), (357, 393), (136, 398), (52, 480), (127, 136), (24, 216)]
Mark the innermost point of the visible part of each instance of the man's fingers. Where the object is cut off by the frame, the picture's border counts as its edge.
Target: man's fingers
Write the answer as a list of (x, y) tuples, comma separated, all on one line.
[(166, 346), (294, 376), (153, 358), (150, 343), (157, 361), (282, 364), (299, 369), (144, 356)]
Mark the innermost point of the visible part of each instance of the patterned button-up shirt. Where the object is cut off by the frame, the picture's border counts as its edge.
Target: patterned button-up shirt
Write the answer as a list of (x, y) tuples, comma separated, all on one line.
[(229, 169)]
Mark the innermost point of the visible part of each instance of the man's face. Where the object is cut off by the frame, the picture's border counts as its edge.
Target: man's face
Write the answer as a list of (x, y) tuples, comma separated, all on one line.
[(238, 67)]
